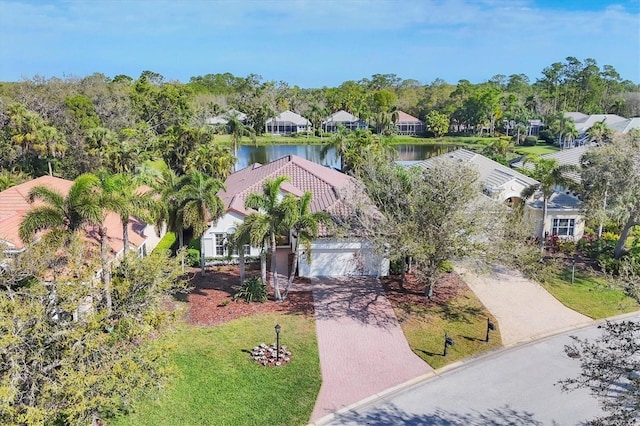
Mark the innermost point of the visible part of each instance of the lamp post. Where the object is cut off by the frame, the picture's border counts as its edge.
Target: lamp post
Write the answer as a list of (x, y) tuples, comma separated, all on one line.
[(278, 342), (448, 341), (490, 326)]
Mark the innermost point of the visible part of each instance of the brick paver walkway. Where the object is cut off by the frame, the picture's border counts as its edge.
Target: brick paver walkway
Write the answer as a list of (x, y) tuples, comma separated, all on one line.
[(362, 348)]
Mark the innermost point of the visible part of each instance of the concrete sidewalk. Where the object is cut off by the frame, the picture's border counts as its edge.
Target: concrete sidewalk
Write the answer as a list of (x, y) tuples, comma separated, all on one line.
[(362, 348), (524, 309)]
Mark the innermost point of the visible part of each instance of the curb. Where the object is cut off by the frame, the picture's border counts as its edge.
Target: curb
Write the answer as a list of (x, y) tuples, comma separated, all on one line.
[(380, 396)]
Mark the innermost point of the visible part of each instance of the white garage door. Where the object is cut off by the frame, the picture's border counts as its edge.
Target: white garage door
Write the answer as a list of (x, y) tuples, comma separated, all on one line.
[(331, 263)]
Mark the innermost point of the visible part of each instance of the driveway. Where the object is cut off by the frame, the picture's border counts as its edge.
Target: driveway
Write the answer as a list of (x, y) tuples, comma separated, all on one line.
[(515, 386), (523, 308), (362, 348)]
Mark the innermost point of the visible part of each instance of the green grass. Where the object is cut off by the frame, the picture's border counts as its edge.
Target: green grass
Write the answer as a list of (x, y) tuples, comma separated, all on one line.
[(589, 295), (463, 318), (541, 148), (218, 383)]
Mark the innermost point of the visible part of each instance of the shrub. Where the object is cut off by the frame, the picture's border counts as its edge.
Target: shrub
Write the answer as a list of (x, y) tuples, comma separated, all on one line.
[(166, 243), (253, 289), (396, 266), (530, 141), (193, 257), (547, 137), (567, 247), (445, 266)]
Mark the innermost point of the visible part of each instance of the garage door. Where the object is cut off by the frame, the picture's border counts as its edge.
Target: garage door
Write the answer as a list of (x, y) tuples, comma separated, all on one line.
[(331, 263)]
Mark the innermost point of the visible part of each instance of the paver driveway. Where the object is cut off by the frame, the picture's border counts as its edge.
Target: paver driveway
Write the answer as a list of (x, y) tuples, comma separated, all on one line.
[(362, 348)]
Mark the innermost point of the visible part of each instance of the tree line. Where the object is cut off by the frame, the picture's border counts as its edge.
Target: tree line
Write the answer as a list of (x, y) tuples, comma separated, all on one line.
[(72, 125)]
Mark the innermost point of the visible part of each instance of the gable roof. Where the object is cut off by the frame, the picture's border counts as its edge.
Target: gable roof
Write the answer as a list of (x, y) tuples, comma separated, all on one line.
[(327, 185), (341, 116), (584, 122), (491, 173), (291, 117), (14, 204), (403, 117), (570, 156), (625, 126)]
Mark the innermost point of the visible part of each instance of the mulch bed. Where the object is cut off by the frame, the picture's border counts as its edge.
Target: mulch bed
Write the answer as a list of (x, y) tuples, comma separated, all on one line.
[(211, 300), (448, 286)]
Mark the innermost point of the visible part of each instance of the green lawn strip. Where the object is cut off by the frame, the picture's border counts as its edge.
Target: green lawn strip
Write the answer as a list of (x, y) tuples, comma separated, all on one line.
[(218, 382), (589, 295), (540, 148), (463, 318)]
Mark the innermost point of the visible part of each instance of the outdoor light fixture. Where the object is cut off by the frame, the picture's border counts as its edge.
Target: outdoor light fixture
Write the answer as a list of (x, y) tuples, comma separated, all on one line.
[(278, 342), (448, 341), (490, 327)]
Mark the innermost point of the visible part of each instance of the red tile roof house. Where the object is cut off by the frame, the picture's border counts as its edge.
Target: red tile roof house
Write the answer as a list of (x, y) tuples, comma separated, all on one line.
[(14, 205), (330, 256), (408, 124)]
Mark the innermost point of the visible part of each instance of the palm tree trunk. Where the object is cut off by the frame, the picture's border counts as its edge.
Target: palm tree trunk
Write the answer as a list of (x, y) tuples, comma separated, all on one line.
[(294, 266), (263, 265), (106, 273), (241, 265), (274, 272), (125, 238), (202, 266), (180, 244), (544, 222)]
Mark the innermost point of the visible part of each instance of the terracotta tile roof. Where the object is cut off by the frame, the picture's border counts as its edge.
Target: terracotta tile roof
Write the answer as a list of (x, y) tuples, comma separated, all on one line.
[(323, 182), (403, 117), (14, 205)]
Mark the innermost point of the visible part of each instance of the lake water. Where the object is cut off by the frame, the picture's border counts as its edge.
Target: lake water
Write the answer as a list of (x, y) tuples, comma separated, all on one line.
[(248, 154)]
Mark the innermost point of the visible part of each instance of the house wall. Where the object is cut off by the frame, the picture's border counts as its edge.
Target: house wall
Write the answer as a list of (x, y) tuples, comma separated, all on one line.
[(534, 216), (332, 257), (229, 221)]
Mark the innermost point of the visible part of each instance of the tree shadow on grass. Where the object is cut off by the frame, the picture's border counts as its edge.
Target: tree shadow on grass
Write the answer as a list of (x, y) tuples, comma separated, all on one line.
[(392, 415)]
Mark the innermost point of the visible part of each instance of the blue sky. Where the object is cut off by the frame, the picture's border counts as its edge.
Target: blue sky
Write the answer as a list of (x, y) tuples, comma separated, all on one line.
[(315, 43)]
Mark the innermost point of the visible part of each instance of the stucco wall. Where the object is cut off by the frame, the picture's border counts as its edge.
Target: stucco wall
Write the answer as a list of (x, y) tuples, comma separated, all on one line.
[(534, 216)]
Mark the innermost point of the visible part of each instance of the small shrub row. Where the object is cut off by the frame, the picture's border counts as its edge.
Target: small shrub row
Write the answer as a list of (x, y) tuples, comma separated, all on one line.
[(166, 243)]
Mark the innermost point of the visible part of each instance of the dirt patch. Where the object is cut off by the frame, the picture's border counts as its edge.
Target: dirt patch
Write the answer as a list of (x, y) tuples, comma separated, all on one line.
[(211, 300)]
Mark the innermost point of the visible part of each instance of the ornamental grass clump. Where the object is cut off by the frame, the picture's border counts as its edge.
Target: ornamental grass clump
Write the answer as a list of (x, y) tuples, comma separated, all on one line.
[(253, 290)]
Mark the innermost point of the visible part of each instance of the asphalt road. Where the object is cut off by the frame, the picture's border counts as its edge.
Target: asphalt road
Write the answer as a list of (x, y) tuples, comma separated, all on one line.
[(516, 386)]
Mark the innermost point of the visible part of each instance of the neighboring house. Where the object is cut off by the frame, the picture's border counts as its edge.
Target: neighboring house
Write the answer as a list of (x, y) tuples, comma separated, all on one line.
[(583, 122), (344, 119), (499, 182), (505, 185), (222, 119), (287, 123), (14, 205), (408, 124), (625, 126), (329, 256)]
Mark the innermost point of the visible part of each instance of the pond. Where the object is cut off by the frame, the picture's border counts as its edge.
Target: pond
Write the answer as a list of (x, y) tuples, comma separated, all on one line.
[(248, 154)]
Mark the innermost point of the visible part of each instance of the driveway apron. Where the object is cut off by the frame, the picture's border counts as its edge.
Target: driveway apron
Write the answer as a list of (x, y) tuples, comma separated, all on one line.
[(523, 308), (362, 348)]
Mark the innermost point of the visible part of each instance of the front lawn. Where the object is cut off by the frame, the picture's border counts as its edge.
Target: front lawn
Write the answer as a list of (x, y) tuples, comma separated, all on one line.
[(590, 295), (455, 310), (541, 148), (218, 383)]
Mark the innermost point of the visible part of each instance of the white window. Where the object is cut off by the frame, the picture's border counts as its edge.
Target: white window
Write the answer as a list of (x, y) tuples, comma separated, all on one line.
[(220, 244), (563, 227)]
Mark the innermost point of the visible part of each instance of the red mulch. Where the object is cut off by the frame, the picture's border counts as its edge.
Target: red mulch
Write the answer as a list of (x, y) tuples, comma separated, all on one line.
[(448, 286), (211, 300)]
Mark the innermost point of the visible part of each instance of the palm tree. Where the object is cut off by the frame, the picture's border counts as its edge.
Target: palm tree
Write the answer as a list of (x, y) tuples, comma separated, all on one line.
[(199, 205), (274, 217), (238, 240), (213, 159), (550, 175), (339, 142), (237, 130), (62, 216), (599, 132), (305, 229)]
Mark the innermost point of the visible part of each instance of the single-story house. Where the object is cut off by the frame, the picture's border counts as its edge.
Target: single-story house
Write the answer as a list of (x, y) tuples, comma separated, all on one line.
[(505, 185), (344, 119), (583, 122), (222, 119), (625, 126), (331, 189), (408, 124), (14, 205), (287, 123)]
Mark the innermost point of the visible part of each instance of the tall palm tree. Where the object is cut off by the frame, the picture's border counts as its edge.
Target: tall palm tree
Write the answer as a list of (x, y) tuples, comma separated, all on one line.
[(549, 175), (214, 159), (200, 205), (339, 142), (274, 217), (305, 229), (237, 130)]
